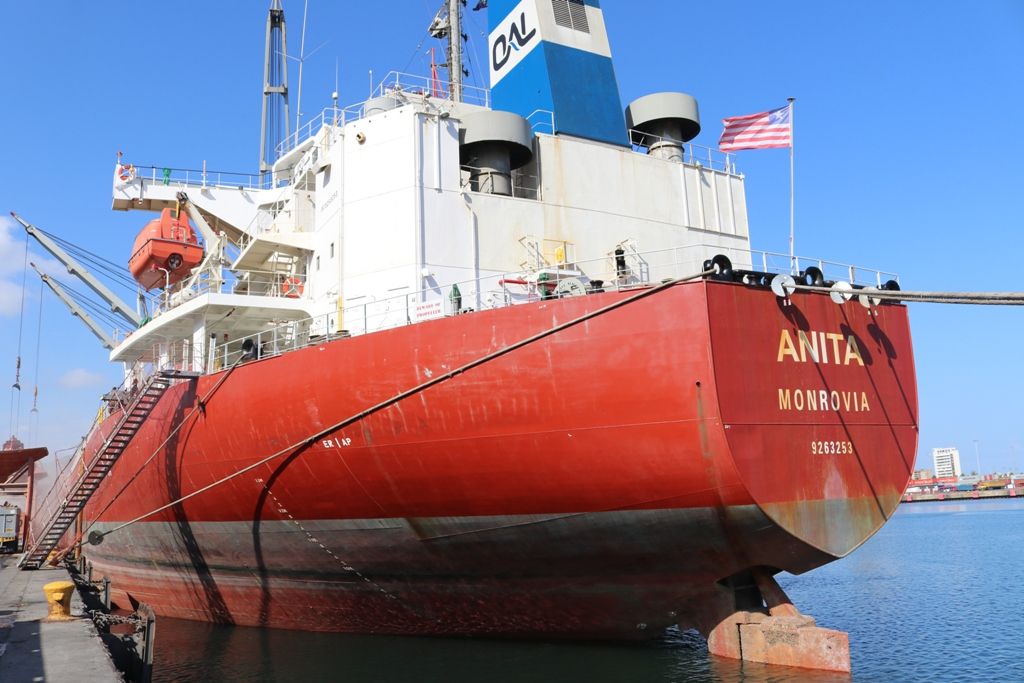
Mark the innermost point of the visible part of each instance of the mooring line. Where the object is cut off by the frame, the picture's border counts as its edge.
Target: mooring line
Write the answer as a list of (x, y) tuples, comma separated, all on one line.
[(96, 537), (990, 298)]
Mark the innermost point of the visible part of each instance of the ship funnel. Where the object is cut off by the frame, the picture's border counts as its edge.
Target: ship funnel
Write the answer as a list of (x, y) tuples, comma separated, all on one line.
[(492, 144), (554, 56), (662, 122)]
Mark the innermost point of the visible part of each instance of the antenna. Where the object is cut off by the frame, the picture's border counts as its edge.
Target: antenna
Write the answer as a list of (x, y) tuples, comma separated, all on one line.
[(334, 95), (274, 119), (302, 59)]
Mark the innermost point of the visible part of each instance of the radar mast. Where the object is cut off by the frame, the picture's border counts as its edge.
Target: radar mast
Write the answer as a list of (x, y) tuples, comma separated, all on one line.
[(447, 25)]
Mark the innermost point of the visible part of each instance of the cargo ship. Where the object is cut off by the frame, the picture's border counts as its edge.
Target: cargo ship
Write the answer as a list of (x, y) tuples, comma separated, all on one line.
[(498, 361)]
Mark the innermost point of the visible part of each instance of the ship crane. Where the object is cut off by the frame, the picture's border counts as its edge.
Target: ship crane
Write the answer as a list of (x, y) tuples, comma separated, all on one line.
[(76, 310), (117, 305)]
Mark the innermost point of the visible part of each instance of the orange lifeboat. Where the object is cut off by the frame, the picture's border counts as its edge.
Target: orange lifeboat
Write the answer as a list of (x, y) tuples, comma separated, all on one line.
[(166, 250)]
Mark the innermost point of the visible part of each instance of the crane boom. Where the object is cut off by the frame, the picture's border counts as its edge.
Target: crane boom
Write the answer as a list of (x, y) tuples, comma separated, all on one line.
[(209, 234), (76, 310), (78, 270)]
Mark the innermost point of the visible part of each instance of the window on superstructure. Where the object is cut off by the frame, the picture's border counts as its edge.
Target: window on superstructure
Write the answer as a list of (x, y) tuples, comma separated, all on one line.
[(332, 249), (571, 14), (318, 263)]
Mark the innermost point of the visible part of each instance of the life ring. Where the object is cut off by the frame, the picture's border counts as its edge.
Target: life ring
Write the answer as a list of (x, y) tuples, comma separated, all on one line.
[(126, 172), (292, 288)]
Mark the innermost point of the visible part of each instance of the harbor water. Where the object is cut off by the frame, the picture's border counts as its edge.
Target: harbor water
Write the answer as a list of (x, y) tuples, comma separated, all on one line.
[(936, 595)]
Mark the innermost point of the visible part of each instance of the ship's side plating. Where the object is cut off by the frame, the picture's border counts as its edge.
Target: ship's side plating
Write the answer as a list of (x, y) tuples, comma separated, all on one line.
[(542, 492)]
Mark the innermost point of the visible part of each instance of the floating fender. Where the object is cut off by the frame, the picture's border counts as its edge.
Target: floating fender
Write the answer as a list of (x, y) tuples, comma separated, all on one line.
[(813, 277)]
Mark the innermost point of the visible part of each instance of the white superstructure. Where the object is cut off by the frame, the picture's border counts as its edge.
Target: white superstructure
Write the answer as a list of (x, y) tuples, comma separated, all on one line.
[(377, 212)]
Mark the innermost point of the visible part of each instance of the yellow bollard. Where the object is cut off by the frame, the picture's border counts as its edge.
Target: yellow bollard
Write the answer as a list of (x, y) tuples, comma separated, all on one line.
[(58, 597)]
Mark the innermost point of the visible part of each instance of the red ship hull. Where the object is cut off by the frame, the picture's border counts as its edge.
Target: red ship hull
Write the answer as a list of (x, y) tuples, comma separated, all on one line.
[(598, 482)]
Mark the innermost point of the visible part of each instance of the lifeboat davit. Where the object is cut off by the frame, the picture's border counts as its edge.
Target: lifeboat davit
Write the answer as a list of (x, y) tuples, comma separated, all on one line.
[(166, 250)]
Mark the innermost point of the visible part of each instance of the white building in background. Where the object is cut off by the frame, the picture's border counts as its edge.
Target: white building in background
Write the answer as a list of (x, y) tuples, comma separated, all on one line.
[(947, 462)]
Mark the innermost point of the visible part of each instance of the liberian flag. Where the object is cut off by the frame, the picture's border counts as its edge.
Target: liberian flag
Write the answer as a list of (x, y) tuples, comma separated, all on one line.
[(758, 131)]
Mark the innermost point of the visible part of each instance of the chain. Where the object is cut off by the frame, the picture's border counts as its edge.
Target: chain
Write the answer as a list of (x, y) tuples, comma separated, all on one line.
[(281, 509)]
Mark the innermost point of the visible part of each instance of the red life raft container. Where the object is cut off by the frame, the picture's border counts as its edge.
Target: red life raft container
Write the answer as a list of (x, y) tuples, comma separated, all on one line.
[(166, 250)]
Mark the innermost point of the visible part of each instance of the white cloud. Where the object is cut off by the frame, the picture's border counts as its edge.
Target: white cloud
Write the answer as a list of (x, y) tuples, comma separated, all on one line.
[(10, 298), (80, 378), (12, 265), (12, 247)]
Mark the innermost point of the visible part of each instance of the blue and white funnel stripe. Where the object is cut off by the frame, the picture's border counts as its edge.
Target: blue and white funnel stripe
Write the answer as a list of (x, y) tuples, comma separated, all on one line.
[(554, 55)]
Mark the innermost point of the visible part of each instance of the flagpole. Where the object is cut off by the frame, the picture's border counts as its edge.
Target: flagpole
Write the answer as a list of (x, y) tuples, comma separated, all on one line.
[(792, 142)]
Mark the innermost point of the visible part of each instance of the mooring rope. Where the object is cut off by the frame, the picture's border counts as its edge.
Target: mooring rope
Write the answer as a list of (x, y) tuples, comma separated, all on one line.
[(96, 537), (989, 298)]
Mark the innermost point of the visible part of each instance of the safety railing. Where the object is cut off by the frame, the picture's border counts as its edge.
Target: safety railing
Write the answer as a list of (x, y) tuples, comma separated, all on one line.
[(117, 399), (396, 85), (329, 116), (614, 272), (773, 262), (191, 177), (485, 181), (542, 121), (282, 284), (432, 87), (697, 155)]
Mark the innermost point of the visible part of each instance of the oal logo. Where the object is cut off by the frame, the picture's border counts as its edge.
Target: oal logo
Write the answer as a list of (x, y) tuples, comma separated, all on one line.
[(517, 38)]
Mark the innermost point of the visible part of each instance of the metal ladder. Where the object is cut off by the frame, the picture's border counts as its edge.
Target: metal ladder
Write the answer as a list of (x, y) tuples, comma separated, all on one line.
[(90, 479)]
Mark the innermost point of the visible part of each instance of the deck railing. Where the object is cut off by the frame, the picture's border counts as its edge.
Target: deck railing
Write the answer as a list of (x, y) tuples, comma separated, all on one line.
[(181, 177), (695, 155), (639, 269)]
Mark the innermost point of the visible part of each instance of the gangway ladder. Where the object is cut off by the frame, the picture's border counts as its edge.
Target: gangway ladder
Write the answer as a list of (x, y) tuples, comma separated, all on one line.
[(132, 419)]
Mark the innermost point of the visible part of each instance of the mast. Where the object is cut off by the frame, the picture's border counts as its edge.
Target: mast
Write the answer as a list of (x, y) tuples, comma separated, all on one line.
[(455, 49), (274, 119), (449, 28)]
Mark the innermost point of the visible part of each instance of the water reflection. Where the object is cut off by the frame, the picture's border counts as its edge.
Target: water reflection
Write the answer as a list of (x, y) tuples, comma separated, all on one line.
[(933, 593), (205, 652)]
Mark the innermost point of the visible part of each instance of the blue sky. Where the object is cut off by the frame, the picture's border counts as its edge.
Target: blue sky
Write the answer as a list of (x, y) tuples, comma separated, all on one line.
[(907, 153)]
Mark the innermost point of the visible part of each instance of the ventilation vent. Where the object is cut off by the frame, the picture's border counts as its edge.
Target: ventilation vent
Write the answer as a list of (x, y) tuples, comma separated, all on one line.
[(578, 11), (571, 14)]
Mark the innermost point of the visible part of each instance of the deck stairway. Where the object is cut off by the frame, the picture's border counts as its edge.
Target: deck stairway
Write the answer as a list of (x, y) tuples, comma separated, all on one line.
[(132, 419)]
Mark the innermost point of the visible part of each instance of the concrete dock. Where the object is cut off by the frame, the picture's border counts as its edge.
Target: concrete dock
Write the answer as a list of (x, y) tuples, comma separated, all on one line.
[(960, 495), (32, 649)]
